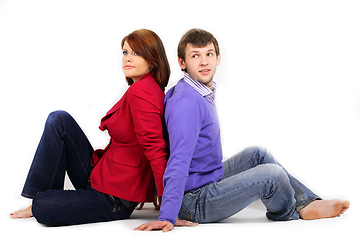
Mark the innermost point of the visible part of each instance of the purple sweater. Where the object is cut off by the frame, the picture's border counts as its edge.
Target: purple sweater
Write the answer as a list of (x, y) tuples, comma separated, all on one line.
[(195, 147)]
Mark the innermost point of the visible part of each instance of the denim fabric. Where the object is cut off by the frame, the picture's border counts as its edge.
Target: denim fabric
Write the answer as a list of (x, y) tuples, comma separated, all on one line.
[(64, 148), (250, 175)]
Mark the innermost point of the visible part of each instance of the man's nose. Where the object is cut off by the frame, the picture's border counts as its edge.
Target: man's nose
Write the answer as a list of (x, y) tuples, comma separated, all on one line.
[(203, 61)]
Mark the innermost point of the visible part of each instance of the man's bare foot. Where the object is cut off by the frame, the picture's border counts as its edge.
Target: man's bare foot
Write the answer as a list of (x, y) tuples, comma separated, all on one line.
[(22, 213), (324, 209)]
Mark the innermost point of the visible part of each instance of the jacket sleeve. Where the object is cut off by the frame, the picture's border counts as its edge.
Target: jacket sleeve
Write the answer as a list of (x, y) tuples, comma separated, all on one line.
[(183, 122), (147, 117)]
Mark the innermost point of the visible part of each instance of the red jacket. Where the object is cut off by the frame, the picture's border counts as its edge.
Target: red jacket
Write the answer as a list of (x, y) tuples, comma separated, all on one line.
[(137, 153)]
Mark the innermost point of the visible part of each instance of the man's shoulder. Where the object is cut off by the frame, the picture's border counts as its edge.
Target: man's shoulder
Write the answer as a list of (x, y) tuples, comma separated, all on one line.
[(182, 91)]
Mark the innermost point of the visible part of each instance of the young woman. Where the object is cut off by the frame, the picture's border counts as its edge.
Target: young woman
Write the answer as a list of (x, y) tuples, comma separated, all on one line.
[(109, 182)]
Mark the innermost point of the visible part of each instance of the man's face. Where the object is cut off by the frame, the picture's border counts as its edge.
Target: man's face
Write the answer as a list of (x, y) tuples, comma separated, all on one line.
[(200, 63)]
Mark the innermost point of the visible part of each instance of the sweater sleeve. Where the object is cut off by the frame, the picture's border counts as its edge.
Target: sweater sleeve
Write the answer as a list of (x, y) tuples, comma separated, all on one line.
[(147, 117), (183, 122)]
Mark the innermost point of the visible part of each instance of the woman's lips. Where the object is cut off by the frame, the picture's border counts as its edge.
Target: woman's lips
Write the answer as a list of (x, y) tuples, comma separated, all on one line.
[(128, 67)]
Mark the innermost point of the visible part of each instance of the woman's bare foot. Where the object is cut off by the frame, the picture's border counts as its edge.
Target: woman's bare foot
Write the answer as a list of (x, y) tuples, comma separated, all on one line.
[(324, 209), (22, 213)]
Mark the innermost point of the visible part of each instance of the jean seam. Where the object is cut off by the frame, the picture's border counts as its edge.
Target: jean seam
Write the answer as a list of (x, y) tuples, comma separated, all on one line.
[(240, 188), (78, 156), (56, 168), (193, 216)]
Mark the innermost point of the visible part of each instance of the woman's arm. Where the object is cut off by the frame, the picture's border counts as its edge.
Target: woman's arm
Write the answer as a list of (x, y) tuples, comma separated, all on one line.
[(147, 118)]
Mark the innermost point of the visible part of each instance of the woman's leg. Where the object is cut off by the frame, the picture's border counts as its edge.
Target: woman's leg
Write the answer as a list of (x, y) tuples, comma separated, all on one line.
[(63, 148), (70, 207)]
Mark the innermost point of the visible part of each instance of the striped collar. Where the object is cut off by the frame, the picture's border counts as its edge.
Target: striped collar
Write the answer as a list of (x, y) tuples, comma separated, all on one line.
[(201, 88)]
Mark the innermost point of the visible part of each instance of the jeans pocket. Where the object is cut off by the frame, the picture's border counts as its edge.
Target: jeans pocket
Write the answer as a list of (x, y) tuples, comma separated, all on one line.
[(188, 207), (194, 193)]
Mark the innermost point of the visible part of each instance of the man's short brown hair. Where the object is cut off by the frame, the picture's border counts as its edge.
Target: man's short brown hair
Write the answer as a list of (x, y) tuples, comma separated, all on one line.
[(197, 38)]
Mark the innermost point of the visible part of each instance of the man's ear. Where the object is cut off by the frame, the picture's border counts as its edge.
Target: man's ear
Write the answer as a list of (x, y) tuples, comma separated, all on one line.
[(218, 59), (181, 63)]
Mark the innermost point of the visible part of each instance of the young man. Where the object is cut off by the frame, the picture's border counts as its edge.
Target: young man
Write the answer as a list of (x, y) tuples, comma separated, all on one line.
[(198, 186)]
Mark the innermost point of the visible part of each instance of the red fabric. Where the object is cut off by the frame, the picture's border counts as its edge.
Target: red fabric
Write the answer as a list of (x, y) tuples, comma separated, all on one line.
[(136, 156)]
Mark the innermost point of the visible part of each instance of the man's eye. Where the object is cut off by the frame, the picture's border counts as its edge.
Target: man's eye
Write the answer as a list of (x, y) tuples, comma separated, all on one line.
[(210, 54), (195, 56)]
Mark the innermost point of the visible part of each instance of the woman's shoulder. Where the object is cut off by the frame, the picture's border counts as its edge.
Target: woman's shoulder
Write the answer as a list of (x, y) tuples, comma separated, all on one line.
[(145, 86), (146, 89)]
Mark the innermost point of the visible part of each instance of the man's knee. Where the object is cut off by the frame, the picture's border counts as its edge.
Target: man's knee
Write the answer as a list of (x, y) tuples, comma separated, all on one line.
[(256, 151), (276, 174)]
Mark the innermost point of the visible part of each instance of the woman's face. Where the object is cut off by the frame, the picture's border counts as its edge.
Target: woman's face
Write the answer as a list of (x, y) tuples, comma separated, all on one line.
[(133, 65)]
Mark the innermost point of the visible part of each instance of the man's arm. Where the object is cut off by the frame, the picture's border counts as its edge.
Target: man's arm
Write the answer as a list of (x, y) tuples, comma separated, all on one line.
[(184, 124)]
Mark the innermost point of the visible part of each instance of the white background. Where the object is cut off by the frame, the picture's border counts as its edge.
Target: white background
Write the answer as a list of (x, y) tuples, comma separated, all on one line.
[(288, 81)]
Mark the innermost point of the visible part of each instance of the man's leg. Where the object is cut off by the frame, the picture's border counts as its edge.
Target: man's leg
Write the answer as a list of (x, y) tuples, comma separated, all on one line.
[(308, 204), (254, 156), (225, 198)]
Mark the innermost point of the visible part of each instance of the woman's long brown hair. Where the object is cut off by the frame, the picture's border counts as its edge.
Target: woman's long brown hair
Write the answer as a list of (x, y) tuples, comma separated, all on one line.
[(150, 47)]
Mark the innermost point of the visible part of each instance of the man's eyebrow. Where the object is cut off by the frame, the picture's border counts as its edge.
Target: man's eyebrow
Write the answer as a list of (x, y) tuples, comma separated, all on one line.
[(210, 50), (194, 52)]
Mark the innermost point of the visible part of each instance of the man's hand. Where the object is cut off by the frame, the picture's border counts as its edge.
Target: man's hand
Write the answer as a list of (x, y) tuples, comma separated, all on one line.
[(157, 225), (164, 225)]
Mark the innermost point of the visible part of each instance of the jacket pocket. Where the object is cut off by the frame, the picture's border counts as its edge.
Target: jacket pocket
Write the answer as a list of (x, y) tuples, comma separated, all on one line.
[(130, 160)]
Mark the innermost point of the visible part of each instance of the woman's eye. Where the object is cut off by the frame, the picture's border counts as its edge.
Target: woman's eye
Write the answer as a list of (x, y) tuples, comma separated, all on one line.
[(136, 54), (125, 52)]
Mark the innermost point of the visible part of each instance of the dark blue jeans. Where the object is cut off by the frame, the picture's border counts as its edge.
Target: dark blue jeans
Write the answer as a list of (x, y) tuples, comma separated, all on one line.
[(65, 148)]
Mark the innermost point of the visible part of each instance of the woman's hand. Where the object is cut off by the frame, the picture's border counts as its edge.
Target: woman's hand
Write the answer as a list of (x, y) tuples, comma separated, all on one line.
[(156, 202)]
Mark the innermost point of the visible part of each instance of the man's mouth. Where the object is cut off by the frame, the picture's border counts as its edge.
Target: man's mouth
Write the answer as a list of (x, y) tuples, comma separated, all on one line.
[(205, 71)]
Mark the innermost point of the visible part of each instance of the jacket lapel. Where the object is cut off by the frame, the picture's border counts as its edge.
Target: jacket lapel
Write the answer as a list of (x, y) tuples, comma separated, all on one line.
[(116, 107)]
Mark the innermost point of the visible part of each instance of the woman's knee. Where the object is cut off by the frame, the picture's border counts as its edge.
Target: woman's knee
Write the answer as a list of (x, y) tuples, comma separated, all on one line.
[(56, 115), (60, 120)]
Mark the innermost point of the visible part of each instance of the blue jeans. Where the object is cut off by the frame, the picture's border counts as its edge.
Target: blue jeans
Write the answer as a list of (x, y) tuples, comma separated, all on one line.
[(65, 148), (250, 175)]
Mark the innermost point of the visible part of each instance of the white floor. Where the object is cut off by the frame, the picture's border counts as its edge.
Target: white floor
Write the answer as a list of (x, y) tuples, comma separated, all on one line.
[(251, 223), (288, 81)]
